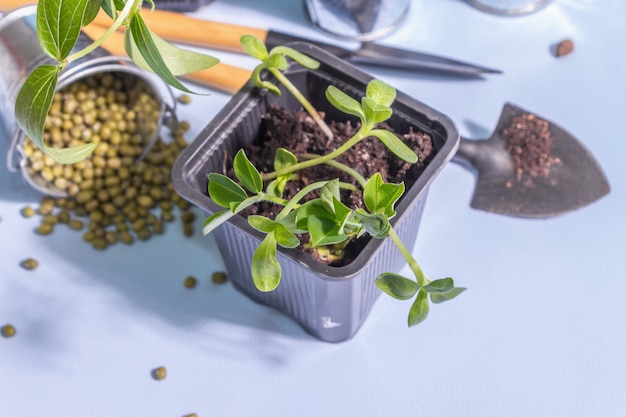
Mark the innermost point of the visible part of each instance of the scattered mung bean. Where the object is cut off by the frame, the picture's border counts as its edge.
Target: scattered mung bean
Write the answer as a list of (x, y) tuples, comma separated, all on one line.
[(30, 264), (190, 282), (28, 211), (8, 330), (159, 373), (219, 277), (184, 99)]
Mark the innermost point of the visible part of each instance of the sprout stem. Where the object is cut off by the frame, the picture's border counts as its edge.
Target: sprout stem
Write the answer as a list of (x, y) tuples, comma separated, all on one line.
[(117, 23), (303, 101), (422, 279)]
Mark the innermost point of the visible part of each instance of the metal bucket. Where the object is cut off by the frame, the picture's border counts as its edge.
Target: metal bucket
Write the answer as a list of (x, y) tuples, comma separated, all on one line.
[(20, 54)]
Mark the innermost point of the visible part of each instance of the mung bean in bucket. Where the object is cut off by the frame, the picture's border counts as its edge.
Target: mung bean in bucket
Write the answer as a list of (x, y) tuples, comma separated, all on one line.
[(117, 110)]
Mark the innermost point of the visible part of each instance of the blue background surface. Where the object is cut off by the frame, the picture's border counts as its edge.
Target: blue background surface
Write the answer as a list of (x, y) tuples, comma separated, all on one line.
[(539, 332)]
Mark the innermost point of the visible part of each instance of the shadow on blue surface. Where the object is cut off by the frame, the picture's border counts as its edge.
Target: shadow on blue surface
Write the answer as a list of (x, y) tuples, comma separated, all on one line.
[(149, 276)]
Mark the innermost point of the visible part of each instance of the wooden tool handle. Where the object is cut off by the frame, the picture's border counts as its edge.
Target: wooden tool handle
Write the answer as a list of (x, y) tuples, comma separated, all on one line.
[(8, 5), (223, 77), (177, 27)]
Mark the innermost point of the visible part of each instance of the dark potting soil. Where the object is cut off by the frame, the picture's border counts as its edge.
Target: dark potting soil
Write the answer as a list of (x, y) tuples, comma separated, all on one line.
[(298, 133), (528, 141)]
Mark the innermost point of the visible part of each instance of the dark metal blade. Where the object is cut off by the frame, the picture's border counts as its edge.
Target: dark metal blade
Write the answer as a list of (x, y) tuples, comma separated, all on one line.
[(574, 181), (382, 55), (386, 56)]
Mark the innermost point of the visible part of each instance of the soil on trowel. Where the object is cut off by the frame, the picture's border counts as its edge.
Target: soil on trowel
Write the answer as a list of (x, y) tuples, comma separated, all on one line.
[(298, 133), (529, 143)]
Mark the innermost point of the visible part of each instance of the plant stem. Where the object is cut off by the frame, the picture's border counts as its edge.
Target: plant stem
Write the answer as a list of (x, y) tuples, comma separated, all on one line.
[(303, 101), (117, 23), (359, 136), (299, 196), (293, 203), (343, 167), (422, 279)]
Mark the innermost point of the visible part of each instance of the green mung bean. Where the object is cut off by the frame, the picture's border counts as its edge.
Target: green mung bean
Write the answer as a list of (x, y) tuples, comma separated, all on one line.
[(8, 330), (30, 264)]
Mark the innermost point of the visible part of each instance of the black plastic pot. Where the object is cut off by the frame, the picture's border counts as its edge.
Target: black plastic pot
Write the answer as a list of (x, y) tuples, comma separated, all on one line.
[(329, 302)]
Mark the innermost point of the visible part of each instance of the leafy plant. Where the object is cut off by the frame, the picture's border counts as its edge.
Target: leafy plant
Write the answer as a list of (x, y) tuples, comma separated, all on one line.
[(59, 24), (325, 218)]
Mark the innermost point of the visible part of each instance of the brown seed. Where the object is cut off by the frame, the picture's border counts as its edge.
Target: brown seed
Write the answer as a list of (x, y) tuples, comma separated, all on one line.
[(28, 212), (8, 330), (188, 216), (44, 229), (190, 282), (184, 99), (192, 415), (219, 277), (76, 224), (30, 264), (565, 47), (159, 373)]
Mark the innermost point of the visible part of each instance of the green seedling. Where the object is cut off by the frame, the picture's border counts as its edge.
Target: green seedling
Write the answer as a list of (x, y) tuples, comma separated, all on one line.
[(59, 24), (325, 218)]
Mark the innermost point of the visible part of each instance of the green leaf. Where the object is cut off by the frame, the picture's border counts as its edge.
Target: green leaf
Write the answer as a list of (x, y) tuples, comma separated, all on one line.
[(395, 145), (215, 220), (419, 309), (376, 224), (58, 25), (375, 113), (92, 10), (276, 187), (380, 92), (139, 34), (397, 286), (289, 221), (284, 237), (71, 155), (224, 191), (440, 286), (283, 159), (178, 61), (246, 173), (110, 6), (324, 231), (440, 298), (329, 193), (344, 102), (31, 108), (266, 270), (254, 47), (297, 56), (381, 197), (342, 212), (324, 227), (276, 61), (261, 223)]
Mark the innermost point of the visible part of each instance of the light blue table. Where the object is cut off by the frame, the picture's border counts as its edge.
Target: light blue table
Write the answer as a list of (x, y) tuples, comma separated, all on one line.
[(541, 330)]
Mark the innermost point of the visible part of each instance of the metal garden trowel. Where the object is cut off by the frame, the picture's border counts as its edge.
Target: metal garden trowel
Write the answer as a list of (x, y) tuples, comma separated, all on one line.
[(574, 181)]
